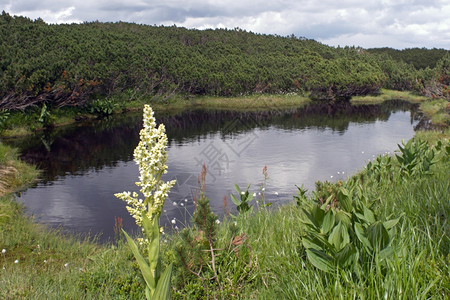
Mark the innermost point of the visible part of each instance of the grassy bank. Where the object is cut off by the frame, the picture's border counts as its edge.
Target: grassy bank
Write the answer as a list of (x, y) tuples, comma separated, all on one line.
[(21, 123), (389, 95)]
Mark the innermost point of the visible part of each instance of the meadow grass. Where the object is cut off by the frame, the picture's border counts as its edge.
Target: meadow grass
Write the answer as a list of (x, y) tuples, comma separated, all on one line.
[(388, 95), (438, 110)]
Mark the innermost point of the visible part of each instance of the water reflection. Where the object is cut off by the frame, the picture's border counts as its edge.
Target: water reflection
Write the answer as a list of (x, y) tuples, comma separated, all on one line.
[(85, 165)]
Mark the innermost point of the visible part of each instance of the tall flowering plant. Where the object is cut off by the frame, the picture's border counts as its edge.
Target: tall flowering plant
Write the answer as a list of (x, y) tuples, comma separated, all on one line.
[(150, 154)]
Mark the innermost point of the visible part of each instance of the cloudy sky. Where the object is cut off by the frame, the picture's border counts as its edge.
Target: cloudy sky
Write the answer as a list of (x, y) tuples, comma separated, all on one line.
[(367, 23)]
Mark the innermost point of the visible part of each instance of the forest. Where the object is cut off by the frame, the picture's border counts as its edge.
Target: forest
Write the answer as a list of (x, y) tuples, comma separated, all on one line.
[(76, 64)]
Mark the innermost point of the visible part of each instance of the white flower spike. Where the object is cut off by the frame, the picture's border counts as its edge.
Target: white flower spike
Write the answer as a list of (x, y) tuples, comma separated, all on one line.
[(151, 157)]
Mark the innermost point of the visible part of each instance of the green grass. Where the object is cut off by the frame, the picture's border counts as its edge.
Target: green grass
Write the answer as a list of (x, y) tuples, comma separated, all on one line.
[(388, 95), (438, 110), (250, 102), (14, 174)]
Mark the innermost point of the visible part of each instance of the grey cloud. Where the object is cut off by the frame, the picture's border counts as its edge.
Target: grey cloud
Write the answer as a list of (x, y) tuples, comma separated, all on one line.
[(326, 20)]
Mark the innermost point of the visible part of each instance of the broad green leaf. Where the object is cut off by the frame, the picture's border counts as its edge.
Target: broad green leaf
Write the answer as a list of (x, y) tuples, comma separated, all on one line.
[(249, 197), (361, 217), (359, 230), (378, 236), (328, 221), (317, 241), (311, 219), (163, 288), (385, 253), (344, 217), (235, 201), (339, 237), (145, 269), (153, 257), (311, 244), (345, 199), (368, 214), (347, 256), (318, 215), (320, 260), (236, 187), (391, 223)]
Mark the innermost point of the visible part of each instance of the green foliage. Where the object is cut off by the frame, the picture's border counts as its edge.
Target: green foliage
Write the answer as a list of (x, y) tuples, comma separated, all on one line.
[(157, 285), (301, 197), (4, 115), (242, 204), (419, 58), (46, 118), (416, 158), (346, 234), (103, 107), (66, 65)]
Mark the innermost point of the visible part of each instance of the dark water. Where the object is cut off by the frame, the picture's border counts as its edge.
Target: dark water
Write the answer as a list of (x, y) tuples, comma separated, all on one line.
[(84, 165)]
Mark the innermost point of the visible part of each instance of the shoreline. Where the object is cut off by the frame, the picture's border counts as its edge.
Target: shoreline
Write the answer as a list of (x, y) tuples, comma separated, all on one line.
[(256, 102)]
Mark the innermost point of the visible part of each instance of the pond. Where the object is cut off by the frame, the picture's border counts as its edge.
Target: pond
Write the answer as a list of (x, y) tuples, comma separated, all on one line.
[(85, 164)]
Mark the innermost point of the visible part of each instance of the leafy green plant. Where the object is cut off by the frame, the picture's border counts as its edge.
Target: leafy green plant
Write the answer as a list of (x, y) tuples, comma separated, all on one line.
[(243, 203), (46, 117), (151, 156), (381, 169), (4, 115), (416, 158), (301, 195), (103, 107), (347, 234)]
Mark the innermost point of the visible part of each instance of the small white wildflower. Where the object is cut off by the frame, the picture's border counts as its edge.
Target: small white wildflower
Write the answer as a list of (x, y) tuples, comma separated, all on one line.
[(174, 204), (331, 176), (45, 261), (242, 193), (276, 193), (66, 265), (339, 172), (3, 251), (263, 189), (217, 221), (176, 227), (254, 194), (362, 152), (343, 172), (185, 200), (182, 204), (174, 221), (16, 261)]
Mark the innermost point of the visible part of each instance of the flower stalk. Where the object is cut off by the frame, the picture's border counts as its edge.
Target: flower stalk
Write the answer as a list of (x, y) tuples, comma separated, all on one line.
[(151, 157)]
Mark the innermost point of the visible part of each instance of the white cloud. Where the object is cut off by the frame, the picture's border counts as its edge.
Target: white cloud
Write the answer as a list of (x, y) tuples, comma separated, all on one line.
[(399, 24)]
